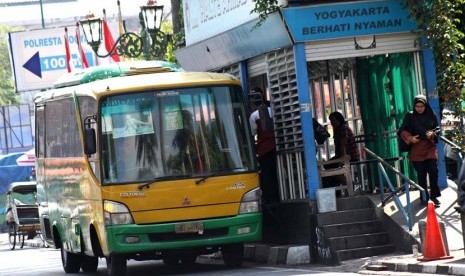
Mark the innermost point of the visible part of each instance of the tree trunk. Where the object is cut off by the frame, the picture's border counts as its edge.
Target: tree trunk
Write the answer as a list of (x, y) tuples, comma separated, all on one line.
[(176, 16)]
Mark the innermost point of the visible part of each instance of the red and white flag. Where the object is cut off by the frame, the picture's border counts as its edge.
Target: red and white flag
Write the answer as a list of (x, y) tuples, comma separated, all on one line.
[(82, 54), (68, 53), (109, 41)]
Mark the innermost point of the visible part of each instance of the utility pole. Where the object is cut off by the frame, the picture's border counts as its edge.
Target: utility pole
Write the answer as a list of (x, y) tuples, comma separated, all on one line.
[(42, 14)]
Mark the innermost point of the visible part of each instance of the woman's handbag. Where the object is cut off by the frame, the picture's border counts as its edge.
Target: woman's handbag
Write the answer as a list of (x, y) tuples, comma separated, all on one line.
[(320, 132), (403, 146)]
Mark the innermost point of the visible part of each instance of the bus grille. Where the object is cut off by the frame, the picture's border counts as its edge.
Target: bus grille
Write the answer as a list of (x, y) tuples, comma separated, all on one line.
[(207, 234)]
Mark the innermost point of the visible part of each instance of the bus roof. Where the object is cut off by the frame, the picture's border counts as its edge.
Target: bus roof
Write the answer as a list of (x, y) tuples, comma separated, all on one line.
[(115, 70), (134, 80)]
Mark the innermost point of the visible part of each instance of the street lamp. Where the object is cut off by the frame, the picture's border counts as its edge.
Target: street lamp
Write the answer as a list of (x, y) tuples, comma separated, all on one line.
[(152, 41)]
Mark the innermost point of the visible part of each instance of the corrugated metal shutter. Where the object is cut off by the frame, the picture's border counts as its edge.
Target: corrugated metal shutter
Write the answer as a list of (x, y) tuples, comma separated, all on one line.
[(345, 47), (283, 88), (288, 127), (256, 66), (232, 70)]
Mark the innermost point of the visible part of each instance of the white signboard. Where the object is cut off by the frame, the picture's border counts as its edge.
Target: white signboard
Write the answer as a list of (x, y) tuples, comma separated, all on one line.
[(206, 18), (39, 57)]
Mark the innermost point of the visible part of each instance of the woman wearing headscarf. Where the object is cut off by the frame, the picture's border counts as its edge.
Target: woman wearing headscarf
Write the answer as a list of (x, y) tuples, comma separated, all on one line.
[(344, 141), (419, 130), (344, 144)]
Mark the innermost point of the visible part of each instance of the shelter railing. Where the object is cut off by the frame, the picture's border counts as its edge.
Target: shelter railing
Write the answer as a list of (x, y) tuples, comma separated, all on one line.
[(457, 150), (396, 192)]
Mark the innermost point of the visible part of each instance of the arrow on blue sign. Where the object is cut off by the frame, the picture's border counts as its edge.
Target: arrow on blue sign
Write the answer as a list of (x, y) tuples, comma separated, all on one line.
[(33, 65)]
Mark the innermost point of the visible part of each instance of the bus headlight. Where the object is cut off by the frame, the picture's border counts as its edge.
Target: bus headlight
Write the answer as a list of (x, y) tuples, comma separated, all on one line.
[(251, 202), (116, 213)]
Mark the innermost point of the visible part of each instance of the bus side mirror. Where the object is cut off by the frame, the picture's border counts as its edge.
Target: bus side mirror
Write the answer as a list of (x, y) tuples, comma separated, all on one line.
[(90, 146), (90, 141)]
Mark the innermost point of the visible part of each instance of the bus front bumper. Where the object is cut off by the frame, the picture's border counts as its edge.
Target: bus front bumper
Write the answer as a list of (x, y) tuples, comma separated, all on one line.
[(135, 238)]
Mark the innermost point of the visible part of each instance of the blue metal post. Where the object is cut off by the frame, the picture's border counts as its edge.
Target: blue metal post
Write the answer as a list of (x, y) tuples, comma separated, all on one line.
[(409, 206), (433, 100), (306, 120)]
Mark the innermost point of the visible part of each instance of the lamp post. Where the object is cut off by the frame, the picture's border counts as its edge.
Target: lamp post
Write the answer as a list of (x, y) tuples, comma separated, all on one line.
[(152, 41)]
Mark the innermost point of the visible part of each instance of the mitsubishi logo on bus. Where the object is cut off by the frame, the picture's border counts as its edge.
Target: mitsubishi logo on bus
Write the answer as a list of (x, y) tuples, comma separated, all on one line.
[(186, 201)]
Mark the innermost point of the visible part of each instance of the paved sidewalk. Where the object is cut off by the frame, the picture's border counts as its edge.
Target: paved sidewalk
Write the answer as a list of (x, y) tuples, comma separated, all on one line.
[(449, 217), (398, 261)]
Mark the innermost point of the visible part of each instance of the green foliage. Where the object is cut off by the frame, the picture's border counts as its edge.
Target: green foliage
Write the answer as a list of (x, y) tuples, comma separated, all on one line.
[(167, 28), (7, 91), (440, 24), (264, 8)]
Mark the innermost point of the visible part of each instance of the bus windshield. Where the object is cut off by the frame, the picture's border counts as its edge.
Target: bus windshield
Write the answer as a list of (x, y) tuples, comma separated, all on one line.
[(186, 132)]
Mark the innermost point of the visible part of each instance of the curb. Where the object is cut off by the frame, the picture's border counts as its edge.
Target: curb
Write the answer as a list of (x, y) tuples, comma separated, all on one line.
[(430, 268), (34, 243), (277, 255)]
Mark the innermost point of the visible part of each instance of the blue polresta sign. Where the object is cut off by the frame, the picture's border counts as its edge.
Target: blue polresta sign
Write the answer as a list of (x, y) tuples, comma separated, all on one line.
[(347, 20)]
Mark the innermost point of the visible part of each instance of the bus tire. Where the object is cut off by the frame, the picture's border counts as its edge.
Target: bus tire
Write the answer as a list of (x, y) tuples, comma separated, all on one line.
[(233, 254), (116, 265), (71, 261), (89, 264)]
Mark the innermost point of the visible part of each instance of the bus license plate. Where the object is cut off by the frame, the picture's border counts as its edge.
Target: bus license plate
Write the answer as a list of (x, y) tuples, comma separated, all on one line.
[(188, 227)]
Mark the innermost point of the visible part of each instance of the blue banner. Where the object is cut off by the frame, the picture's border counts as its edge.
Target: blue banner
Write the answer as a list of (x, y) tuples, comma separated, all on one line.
[(348, 19)]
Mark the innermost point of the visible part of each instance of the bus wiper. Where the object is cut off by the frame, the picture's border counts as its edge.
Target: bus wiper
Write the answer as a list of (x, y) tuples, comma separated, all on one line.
[(146, 185), (198, 181), (155, 180)]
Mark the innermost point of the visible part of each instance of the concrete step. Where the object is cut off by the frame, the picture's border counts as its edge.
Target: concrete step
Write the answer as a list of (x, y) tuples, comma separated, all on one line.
[(355, 253), (346, 216), (353, 228), (353, 203), (358, 241)]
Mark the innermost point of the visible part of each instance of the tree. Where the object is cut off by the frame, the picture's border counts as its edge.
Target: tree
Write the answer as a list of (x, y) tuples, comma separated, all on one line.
[(7, 91), (176, 16), (440, 24), (176, 28), (264, 8)]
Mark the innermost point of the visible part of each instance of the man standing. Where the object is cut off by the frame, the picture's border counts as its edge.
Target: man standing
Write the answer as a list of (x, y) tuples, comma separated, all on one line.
[(261, 124)]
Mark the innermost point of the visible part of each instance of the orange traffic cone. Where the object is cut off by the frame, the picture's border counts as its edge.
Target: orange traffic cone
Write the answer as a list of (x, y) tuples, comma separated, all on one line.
[(434, 244)]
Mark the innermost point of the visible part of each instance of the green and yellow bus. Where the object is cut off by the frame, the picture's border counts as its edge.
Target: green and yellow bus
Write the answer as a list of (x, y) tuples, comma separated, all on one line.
[(144, 161)]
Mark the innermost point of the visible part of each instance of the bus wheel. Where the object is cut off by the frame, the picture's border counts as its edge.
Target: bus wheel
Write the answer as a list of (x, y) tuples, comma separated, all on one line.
[(233, 254), (116, 265), (89, 264), (71, 261)]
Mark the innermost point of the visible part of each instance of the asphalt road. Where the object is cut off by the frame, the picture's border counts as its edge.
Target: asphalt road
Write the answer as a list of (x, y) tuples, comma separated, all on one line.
[(47, 261)]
